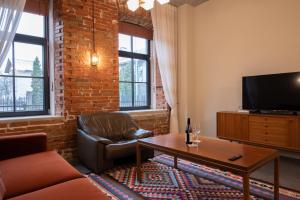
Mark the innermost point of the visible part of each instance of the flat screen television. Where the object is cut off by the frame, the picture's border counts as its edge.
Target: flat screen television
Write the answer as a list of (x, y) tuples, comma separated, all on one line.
[(274, 92)]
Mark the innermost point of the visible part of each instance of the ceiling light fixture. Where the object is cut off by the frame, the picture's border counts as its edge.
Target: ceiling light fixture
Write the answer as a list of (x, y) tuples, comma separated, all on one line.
[(133, 5)]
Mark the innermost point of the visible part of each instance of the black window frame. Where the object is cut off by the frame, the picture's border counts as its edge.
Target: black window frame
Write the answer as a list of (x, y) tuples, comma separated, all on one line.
[(35, 40), (132, 55)]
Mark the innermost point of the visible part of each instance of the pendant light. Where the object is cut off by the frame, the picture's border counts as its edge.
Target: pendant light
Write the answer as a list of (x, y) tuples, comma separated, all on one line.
[(94, 55)]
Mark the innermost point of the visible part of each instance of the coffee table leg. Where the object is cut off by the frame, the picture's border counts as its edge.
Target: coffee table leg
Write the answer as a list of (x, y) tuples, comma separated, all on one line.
[(246, 186), (276, 178), (175, 162), (138, 161)]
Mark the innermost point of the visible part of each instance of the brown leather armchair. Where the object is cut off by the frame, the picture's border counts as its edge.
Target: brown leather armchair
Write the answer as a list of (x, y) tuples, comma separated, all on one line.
[(106, 136)]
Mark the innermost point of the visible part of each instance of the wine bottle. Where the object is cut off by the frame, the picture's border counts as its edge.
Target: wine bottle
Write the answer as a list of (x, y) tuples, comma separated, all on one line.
[(187, 131)]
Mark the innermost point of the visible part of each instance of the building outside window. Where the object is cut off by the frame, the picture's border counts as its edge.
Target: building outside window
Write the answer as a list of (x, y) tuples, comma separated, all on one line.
[(134, 72), (24, 88)]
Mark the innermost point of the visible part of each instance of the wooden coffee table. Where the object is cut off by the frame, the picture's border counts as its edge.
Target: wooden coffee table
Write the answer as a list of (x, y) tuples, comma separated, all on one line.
[(215, 153)]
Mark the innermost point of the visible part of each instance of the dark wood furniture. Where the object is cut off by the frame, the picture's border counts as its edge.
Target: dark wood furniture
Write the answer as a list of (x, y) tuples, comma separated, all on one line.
[(276, 131), (214, 153)]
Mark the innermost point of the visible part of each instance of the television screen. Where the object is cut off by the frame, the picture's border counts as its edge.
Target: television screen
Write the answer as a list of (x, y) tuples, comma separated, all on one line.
[(272, 92)]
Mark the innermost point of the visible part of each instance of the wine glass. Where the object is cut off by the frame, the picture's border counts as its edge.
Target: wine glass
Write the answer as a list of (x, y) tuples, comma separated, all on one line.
[(197, 131)]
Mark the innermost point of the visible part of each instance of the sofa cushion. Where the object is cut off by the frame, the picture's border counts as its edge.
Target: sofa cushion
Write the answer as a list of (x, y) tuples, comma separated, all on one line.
[(36, 171), (120, 149), (77, 189), (2, 188)]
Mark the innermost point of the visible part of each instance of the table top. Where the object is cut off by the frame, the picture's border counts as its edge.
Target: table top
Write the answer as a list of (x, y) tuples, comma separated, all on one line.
[(214, 151)]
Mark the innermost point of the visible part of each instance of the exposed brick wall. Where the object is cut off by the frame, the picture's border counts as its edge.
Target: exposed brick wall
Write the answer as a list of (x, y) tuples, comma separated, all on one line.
[(87, 88), (80, 88), (60, 133), (156, 121), (161, 102), (58, 61)]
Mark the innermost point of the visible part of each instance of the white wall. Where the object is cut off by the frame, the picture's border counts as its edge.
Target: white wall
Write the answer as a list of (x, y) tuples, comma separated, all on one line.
[(231, 39), (185, 62)]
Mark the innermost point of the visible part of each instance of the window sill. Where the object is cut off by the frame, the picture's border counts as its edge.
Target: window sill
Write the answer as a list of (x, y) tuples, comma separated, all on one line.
[(146, 112), (30, 118)]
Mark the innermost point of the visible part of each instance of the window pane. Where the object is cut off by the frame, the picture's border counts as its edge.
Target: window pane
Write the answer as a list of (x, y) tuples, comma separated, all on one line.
[(28, 63), (6, 94), (125, 95), (140, 70), (7, 67), (140, 97), (124, 42), (125, 73), (140, 45), (31, 24), (29, 94)]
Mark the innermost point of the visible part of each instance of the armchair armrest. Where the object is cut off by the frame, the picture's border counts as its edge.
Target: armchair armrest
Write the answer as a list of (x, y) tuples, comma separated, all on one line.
[(91, 149), (20, 145), (100, 139), (139, 134)]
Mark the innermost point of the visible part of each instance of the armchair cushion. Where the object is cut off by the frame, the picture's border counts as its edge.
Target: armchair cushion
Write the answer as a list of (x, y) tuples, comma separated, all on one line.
[(110, 125), (139, 134), (120, 149), (96, 139)]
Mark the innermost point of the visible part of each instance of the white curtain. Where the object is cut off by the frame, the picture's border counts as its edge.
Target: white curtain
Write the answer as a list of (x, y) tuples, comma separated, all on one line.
[(10, 14), (164, 19)]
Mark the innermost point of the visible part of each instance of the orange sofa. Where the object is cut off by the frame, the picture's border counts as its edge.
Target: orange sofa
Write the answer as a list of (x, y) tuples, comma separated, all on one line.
[(29, 172)]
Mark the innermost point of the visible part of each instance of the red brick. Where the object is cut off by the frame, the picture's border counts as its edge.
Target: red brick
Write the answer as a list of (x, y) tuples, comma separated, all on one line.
[(79, 87)]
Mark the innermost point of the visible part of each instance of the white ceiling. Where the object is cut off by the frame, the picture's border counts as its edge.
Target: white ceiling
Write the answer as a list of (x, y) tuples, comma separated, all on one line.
[(191, 2)]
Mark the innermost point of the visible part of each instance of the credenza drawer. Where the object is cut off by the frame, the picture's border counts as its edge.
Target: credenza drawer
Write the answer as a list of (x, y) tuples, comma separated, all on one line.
[(269, 130), (269, 122), (265, 138)]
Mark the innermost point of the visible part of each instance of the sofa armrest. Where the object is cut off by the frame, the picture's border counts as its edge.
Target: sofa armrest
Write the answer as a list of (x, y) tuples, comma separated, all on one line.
[(91, 149), (139, 134), (20, 145)]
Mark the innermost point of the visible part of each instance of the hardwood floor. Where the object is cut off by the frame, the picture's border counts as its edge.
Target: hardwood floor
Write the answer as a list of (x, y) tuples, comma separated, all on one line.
[(289, 173)]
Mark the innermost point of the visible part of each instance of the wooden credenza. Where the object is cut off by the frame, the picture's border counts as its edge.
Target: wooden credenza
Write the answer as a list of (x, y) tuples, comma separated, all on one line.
[(276, 131)]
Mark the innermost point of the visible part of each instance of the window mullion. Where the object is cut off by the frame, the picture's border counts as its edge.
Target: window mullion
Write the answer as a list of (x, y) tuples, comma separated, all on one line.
[(132, 74), (14, 79)]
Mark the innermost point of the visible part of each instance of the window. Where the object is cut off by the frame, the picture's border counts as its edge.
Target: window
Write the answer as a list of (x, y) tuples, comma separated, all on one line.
[(24, 84), (134, 72)]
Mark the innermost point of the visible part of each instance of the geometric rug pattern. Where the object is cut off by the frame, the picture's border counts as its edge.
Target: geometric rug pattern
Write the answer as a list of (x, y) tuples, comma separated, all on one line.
[(191, 181)]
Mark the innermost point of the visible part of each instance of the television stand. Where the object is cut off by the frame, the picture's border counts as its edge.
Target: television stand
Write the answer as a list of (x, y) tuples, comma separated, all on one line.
[(280, 130)]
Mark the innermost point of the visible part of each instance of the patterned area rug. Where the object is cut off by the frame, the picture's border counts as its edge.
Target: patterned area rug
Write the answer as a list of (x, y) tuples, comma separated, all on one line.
[(191, 181)]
